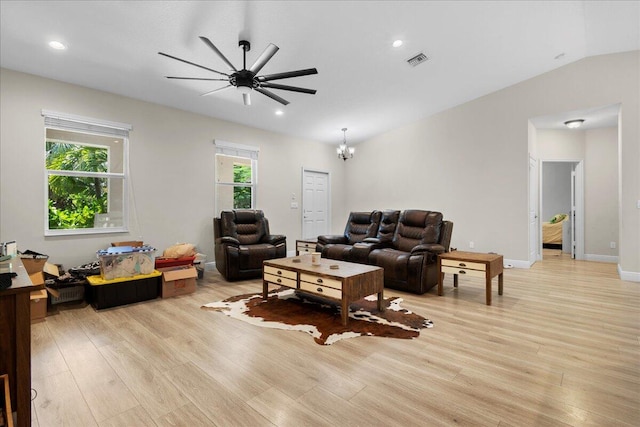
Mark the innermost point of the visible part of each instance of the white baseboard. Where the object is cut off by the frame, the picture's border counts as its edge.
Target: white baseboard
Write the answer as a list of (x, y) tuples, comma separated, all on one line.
[(209, 266), (629, 276), (601, 258)]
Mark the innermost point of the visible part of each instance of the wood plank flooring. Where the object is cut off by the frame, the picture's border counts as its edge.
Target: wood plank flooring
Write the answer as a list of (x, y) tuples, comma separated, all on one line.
[(560, 347)]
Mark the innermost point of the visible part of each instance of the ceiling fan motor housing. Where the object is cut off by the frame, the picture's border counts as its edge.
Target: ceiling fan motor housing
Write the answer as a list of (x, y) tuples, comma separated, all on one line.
[(244, 78)]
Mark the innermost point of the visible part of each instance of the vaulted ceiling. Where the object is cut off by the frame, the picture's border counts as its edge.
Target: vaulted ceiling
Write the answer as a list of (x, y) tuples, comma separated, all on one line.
[(363, 82)]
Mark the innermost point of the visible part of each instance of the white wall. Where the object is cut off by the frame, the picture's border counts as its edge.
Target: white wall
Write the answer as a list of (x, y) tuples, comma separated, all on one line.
[(471, 162), (172, 170), (601, 191)]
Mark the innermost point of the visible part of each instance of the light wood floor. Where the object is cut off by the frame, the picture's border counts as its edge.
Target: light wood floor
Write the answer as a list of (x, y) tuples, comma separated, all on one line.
[(560, 347)]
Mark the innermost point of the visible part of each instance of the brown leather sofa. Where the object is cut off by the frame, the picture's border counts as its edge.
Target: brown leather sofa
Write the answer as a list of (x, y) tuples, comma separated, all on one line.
[(406, 247), (243, 241)]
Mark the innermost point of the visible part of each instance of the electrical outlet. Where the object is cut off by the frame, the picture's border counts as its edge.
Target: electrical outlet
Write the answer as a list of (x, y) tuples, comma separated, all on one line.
[(612, 245), (472, 245)]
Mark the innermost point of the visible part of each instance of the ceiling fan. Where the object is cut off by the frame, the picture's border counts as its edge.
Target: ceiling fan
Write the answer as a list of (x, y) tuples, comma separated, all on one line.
[(246, 80)]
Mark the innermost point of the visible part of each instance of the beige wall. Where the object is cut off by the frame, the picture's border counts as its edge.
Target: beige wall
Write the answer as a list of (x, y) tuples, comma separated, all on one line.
[(172, 160), (471, 162)]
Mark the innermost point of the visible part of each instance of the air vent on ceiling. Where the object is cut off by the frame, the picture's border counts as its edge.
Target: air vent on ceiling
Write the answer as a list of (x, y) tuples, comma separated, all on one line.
[(418, 59)]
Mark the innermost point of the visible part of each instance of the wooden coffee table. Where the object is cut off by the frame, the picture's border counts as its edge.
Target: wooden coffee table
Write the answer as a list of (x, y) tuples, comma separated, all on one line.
[(471, 264), (346, 284)]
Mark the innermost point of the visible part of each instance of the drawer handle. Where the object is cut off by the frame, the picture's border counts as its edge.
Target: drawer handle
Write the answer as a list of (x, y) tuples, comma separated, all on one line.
[(279, 280), (319, 280), (319, 290), (279, 272), (462, 272), (462, 264)]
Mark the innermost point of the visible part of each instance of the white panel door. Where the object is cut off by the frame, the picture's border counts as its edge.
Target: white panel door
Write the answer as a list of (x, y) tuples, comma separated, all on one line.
[(315, 204)]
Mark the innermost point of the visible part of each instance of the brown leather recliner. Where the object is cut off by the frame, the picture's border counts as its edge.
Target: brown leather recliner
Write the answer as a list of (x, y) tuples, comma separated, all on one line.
[(388, 223), (243, 241), (410, 262), (360, 226)]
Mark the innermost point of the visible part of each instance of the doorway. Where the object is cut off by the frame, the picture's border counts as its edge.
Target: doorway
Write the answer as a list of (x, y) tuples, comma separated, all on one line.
[(562, 193), (315, 203)]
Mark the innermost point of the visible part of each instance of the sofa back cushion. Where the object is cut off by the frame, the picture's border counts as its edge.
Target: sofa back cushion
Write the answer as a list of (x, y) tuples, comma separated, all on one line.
[(417, 227), (361, 225), (388, 225), (248, 226)]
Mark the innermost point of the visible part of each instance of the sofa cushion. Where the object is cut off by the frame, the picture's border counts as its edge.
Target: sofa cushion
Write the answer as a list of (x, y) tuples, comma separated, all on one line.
[(416, 227), (361, 225)]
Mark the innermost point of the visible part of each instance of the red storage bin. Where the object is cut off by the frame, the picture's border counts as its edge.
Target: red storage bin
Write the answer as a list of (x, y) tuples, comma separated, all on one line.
[(174, 262)]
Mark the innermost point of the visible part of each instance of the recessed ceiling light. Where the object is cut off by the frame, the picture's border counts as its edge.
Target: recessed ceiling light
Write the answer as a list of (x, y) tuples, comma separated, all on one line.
[(397, 43), (279, 112), (57, 45)]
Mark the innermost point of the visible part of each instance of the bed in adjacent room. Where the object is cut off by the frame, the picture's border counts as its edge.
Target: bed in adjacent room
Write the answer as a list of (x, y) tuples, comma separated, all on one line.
[(555, 232)]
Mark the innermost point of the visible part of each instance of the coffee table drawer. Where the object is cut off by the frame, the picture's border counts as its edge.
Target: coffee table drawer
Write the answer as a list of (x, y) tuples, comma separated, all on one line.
[(281, 272), (321, 290), (279, 280), (322, 281), (463, 264), (463, 271)]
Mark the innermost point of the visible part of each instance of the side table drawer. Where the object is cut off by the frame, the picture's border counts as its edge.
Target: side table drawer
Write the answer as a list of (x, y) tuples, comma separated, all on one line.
[(320, 281), (280, 280), (321, 290), (463, 271), (281, 272), (463, 264)]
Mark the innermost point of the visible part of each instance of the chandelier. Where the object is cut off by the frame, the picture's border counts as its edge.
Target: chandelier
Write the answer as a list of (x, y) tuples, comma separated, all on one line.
[(344, 151)]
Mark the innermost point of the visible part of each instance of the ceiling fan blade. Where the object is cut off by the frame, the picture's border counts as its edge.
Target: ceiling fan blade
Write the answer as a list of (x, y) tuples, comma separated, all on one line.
[(272, 96), (196, 78), (193, 63), (264, 58), (215, 49), (291, 88), (246, 98), (216, 90), (287, 75)]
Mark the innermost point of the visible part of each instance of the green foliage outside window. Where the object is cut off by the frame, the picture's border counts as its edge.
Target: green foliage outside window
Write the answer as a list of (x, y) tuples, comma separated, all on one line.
[(241, 195), (74, 201)]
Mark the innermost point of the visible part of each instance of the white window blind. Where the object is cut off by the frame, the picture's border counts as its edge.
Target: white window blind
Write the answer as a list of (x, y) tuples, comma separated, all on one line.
[(85, 124), (236, 150)]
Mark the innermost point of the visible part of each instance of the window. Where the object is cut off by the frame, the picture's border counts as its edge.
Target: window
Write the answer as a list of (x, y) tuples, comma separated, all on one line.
[(236, 171), (86, 163)]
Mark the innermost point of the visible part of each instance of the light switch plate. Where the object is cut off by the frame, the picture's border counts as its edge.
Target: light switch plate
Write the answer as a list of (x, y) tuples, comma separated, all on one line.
[(294, 205)]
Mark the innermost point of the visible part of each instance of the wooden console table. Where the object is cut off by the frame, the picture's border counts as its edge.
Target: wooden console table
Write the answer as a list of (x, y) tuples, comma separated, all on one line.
[(471, 264), (15, 338)]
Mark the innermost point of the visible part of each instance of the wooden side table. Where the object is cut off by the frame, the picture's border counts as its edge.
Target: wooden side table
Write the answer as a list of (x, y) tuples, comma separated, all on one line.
[(471, 264), (305, 246)]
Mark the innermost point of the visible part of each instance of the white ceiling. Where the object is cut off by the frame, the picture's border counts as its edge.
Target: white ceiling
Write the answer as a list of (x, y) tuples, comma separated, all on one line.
[(364, 84)]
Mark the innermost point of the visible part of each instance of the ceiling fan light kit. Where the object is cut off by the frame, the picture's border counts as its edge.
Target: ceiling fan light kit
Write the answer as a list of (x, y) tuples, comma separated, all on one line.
[(247, 80)]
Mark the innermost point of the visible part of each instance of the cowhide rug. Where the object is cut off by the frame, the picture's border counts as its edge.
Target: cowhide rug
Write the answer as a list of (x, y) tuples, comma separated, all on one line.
[(290, 310)]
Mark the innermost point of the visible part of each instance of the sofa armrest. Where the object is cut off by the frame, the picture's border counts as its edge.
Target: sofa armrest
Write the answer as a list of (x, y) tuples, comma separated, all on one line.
[(274, 239), (332, 239), (432, 248), (226, 240), (373, 240)]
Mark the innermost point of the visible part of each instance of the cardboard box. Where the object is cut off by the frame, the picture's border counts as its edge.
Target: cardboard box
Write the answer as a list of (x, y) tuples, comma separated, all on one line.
[(132, 243), (38, 305), (178, 281)]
